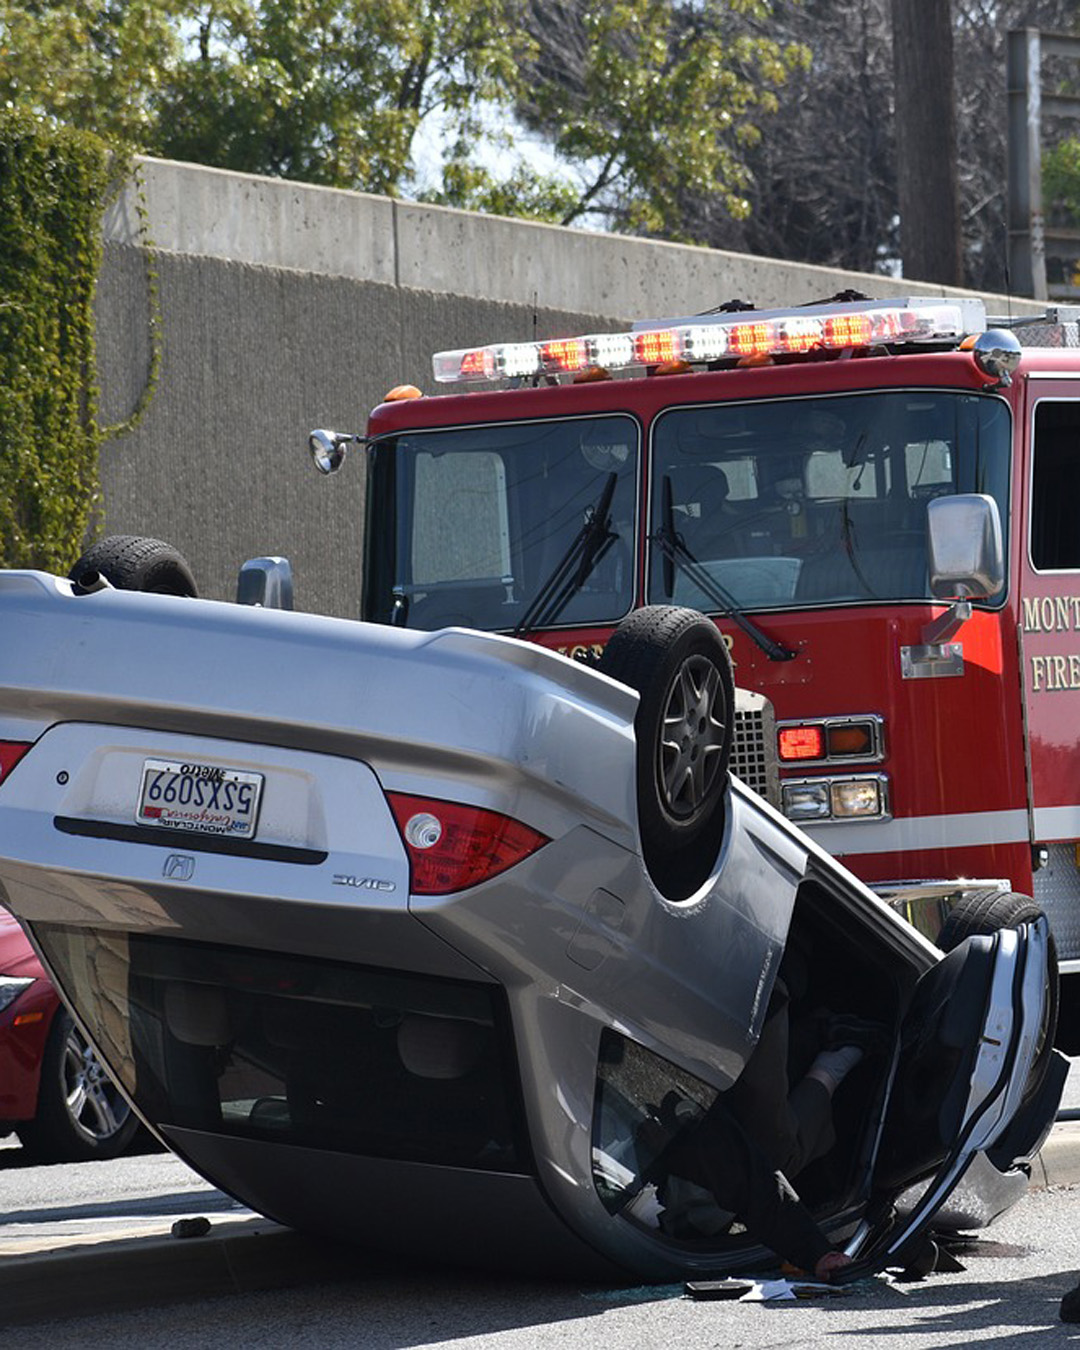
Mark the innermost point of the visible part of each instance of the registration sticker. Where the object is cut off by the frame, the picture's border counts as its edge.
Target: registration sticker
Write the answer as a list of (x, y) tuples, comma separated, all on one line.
[(206, 798)]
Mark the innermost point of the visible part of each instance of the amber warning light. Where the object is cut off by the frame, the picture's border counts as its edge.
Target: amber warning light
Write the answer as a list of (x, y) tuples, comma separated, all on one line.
[(831, 739), (707, 338)]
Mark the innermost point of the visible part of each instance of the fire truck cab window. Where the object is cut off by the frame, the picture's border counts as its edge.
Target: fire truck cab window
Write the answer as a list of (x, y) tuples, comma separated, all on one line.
[(793, 503), (487, 516), (459, 505), (1055, 487)]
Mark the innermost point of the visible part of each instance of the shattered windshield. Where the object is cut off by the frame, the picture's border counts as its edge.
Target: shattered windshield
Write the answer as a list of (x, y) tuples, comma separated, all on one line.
[(815, 501), (512, 525)]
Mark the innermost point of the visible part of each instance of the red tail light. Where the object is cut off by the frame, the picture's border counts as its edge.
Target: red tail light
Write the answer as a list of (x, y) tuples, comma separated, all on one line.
[(10, 754), (452, 847)]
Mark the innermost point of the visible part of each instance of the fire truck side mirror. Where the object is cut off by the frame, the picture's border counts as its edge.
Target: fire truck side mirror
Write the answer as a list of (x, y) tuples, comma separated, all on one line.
[(965, 557), (327, 448)]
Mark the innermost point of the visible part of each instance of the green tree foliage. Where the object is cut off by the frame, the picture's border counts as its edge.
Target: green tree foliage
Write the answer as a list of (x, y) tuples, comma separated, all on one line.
[(823, 176), (333, 91), (53, 188), (657, 98), (654, 100), (93, 66), (325, 91), (1061, 179)]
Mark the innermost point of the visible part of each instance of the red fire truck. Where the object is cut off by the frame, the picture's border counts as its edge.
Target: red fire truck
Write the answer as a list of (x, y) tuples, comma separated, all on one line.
[(877, 501)]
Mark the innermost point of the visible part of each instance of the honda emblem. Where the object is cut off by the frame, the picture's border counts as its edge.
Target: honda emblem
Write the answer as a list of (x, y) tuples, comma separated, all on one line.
[(178, 867)]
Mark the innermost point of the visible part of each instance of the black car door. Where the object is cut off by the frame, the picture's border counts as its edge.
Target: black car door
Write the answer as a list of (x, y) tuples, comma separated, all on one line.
[(975, 1071)]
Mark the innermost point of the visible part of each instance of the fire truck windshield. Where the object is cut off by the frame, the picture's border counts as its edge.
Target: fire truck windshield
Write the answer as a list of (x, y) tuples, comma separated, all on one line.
[(794, 503), (472, 526), (752, 506)]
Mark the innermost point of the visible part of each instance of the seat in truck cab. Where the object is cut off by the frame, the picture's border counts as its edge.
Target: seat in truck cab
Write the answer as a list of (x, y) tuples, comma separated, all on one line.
[(704, 516), (891, 573)]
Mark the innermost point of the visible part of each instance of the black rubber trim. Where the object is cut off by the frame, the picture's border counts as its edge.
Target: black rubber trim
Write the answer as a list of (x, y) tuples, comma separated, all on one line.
[(188, 839)]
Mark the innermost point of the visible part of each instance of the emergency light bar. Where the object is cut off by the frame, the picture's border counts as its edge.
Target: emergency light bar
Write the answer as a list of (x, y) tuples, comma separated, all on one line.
[(722, 337)]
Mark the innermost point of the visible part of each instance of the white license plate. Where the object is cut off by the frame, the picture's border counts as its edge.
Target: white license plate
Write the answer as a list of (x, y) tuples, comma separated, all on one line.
[(206, 798)]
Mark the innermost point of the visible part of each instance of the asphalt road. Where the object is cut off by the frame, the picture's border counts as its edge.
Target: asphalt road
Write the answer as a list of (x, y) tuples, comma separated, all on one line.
[(85, 1247), (1006, 1296)]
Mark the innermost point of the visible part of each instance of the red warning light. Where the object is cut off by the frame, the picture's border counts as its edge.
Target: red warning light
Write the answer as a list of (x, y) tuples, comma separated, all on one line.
[(796, 743)]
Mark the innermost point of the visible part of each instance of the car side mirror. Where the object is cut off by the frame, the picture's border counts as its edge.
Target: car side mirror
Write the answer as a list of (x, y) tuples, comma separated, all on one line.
[(966, 560), (266, 583)]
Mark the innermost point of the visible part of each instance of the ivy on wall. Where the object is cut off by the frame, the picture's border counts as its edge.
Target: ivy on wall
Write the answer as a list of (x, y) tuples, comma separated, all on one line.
[(54, 185)]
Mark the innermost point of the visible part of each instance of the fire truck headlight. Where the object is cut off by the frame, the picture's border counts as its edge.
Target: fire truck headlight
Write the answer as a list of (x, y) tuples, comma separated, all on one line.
[(806, 801), (862, 797), (858, 797)]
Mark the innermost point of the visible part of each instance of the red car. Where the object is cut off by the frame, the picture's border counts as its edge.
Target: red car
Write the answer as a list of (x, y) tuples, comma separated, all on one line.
[(54, 1093)]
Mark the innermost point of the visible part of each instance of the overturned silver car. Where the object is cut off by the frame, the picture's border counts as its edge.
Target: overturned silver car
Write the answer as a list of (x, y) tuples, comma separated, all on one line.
[(440, 941)]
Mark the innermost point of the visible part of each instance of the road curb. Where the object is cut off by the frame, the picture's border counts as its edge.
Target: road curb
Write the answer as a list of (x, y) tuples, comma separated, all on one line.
[(81, 1277), (239, 1257), (1058, 1162)]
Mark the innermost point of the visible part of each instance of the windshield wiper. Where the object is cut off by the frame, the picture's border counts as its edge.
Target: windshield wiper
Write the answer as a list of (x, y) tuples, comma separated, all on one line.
[(573, 569), (677, 555), (847, 536)]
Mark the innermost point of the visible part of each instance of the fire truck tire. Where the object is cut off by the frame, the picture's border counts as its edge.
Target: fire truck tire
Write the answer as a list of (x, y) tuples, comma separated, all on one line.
[(677, 661), (132, 563), (980, 913)]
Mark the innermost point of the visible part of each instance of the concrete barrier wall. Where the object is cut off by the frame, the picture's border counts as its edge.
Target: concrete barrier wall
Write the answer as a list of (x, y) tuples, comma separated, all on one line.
[(284, 307)]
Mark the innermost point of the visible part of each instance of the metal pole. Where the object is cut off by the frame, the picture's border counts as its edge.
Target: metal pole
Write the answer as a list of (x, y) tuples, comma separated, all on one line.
[(1027, 245)]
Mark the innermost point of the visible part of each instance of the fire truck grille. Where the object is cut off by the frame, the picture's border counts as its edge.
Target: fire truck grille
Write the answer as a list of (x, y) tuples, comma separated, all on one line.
[(753, 757)]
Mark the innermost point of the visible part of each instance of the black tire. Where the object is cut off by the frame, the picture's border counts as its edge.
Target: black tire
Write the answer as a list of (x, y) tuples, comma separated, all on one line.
[(132, 563), (677, 661), (982, 913), (81, 1113)]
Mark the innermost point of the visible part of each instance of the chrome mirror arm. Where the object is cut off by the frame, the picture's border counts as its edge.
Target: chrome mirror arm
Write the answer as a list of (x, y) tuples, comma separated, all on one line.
[(947, 625)]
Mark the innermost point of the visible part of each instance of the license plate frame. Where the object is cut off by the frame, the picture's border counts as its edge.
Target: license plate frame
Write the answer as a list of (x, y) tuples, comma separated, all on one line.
[(199, 798)]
